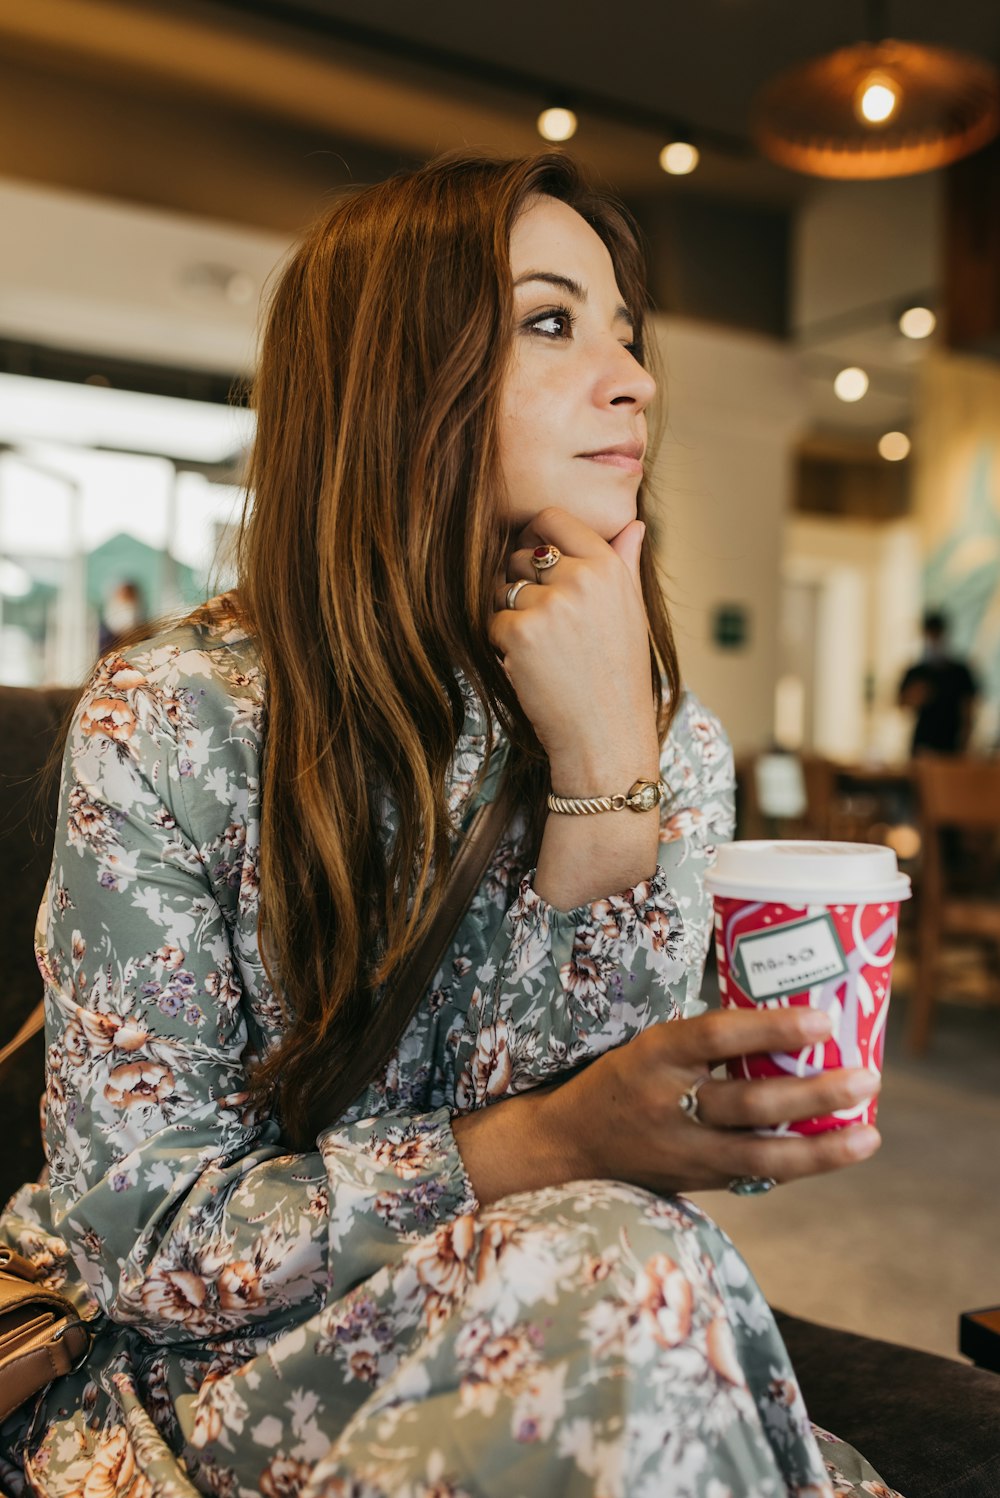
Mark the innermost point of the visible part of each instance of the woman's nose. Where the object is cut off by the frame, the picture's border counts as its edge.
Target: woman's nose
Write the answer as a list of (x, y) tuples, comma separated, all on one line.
[(623, 380)]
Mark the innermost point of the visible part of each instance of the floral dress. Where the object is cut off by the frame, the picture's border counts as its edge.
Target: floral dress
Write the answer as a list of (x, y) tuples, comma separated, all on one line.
[(350, 1321)]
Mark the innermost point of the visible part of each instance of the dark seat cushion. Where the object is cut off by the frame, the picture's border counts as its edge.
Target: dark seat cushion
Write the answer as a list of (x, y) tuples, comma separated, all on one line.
[(31, 722), (929, 1426)]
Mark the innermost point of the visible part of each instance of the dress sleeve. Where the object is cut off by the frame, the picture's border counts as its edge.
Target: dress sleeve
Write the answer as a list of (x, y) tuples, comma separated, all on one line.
[(182, 1212), (560, 988)]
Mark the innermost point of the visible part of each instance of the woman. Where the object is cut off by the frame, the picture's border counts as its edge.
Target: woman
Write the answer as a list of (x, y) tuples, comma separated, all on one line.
[(475, 1276)]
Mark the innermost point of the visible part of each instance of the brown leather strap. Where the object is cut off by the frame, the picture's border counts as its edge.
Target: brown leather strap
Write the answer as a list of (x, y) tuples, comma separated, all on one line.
[(37, 1365), (31, 1026)]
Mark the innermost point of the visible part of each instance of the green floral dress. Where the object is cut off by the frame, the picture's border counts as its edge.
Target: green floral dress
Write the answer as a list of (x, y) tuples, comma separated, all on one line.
[(350, 1321)]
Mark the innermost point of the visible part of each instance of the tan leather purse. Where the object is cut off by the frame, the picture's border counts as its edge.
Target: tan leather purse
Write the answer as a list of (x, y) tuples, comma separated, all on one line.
[(41, 1333)]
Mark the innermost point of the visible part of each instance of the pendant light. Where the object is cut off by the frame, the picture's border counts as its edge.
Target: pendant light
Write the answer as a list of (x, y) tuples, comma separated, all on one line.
[(880, 108)]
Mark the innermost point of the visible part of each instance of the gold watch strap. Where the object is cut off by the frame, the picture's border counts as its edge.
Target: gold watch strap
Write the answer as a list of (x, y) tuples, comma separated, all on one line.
[(642, 795)]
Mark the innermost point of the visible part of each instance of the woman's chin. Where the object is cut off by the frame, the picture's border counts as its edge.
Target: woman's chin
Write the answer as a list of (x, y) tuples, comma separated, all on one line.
[(608, 515)]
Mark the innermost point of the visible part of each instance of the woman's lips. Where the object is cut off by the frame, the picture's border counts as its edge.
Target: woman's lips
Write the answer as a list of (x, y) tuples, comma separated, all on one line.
[(615, 460)]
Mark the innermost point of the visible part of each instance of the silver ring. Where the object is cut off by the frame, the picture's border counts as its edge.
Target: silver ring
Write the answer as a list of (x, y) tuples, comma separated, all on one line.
[(514, 589), (751, 1185), (688, 1101)]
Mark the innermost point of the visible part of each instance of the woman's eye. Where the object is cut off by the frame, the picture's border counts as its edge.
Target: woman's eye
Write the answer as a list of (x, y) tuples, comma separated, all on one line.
[(552, 324)]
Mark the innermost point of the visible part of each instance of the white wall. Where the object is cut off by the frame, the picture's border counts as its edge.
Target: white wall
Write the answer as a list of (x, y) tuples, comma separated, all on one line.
[(736, 406), (87, 273), (868, 579)]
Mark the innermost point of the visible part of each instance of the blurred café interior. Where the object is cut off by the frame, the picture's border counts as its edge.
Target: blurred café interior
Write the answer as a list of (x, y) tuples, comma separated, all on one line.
[(819, 190)]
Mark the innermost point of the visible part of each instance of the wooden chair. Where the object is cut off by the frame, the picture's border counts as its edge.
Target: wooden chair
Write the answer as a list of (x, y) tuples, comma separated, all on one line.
[(961, 794)]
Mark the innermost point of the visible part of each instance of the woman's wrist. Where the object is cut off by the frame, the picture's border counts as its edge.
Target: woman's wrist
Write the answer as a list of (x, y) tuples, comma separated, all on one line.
[(518, 1144), (605, 769)]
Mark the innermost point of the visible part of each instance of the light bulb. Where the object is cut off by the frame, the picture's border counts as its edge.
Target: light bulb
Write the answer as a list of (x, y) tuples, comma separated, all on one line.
[(876, 100), (851, 384), (557, 124), (678, 158), (894, 446), (917, 322)]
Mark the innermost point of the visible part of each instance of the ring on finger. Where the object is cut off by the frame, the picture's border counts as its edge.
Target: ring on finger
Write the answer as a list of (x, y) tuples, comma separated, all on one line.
[(544, 557), (688, 1101), (512, 592), (751, 1185)]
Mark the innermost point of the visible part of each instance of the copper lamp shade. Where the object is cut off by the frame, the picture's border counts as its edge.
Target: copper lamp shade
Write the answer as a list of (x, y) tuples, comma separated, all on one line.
[(947, 106)]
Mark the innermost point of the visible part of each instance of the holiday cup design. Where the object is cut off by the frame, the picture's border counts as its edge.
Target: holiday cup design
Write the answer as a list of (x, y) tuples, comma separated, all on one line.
[(810, 924)]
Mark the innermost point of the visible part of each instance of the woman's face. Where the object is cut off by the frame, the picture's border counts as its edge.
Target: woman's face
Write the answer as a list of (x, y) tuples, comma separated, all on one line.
[(572, 419)]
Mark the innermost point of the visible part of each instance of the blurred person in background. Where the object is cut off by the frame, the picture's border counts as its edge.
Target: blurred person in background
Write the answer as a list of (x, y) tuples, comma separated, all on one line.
[(474, 1271), (942, 689), (123, 612)]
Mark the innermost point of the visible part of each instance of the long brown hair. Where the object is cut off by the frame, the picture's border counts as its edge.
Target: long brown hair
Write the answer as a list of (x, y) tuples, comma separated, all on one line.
[(372, 540)]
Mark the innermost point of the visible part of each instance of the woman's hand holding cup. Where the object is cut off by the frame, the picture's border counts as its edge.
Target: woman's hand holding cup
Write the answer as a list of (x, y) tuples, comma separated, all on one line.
[(621, 1117)]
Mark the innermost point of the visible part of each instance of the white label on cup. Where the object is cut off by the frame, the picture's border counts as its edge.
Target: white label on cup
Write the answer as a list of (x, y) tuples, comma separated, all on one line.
[(789, 958)]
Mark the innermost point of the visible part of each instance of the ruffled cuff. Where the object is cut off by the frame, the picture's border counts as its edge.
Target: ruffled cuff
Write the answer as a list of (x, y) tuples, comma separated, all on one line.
[(392, 1175), (591, 942)]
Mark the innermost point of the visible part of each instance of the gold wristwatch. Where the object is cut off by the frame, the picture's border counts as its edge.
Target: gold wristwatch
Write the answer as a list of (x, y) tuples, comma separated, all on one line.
[(643, 795)]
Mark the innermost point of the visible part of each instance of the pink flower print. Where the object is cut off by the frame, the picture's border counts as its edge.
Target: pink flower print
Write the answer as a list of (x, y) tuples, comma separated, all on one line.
[(664, 1297), (489, 1071), (137, 1082)]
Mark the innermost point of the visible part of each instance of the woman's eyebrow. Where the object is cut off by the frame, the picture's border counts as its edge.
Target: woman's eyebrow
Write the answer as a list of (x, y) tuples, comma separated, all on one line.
[(566, 283)]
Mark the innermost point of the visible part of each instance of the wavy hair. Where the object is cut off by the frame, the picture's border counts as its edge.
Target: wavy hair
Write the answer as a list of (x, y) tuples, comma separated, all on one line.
[(372, 540)]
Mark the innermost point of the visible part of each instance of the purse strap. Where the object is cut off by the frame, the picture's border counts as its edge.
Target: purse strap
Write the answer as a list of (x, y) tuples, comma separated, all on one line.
[(30, 1028)]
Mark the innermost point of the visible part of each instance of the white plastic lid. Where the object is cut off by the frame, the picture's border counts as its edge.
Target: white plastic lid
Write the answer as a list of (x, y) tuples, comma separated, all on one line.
[(807, 873)]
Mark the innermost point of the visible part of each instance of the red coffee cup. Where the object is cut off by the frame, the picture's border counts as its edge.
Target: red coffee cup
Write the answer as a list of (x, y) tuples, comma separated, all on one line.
[(810, 924)]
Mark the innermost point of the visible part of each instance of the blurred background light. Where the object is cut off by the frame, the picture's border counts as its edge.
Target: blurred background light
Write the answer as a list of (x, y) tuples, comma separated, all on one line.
[(917, 322), (557, 124), (877, 99), (894, 446), (679, 158), (94, 416), (851, 384), (14, 580)]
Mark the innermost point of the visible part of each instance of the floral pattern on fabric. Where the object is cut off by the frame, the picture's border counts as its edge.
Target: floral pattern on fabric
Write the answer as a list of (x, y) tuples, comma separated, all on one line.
[(348, 1320)]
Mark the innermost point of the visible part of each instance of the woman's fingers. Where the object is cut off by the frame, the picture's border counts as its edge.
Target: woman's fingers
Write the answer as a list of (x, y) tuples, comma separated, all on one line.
[(791, 1158), (524, 595), (555, 527), (719, 1157), (705, 1041), (765, 1101)]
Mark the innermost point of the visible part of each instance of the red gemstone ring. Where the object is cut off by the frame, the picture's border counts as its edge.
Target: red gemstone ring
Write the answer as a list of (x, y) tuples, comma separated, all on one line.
[(545, 556)]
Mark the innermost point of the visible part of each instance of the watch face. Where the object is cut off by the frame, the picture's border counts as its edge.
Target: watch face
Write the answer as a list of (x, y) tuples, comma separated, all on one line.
[(647, 798)]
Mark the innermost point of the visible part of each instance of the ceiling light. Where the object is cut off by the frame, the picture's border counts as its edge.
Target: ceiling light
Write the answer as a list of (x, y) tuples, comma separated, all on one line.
[(894, 446), (557, 124), (876, 99), (878, 110), (917, 322), (851, 384), (678, 158), (34, 410)]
